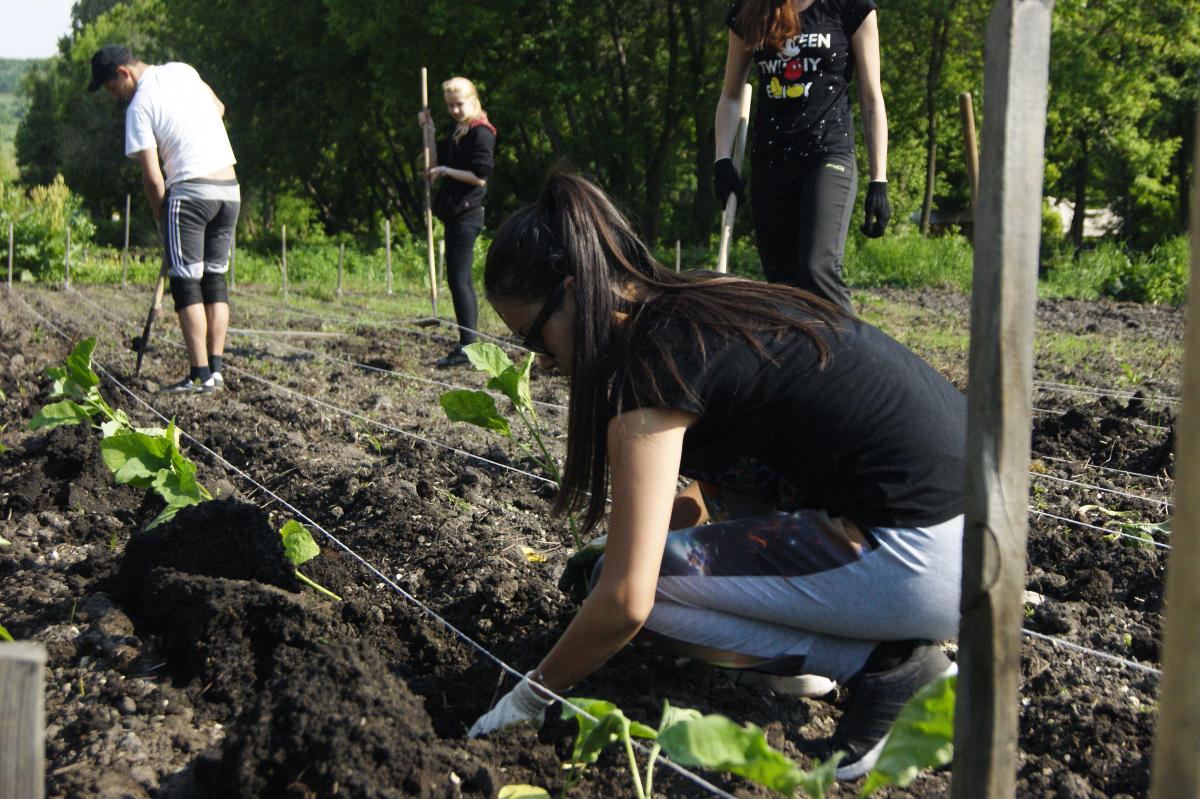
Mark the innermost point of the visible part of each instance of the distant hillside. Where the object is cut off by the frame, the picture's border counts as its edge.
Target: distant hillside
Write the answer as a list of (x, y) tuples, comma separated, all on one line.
[(11, 70), (12, 109)]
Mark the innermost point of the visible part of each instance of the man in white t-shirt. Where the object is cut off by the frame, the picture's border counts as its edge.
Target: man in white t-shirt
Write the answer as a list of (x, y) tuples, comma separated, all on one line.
[(173, 129)]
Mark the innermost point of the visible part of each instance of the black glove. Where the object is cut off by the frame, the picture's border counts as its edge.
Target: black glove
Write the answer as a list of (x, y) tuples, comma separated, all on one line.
[(577, 576), (727, 181), (877, 208)]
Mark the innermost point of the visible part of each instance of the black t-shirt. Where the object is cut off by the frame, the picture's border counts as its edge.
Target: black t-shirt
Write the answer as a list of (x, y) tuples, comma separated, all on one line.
[(876, 435), (803, 98), (474, 152)]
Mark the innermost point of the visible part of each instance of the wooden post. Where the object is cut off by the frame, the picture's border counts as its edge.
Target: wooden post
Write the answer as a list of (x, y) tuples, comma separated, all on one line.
[(67, 263), (387, 246), (1000, 388), (22, 721), (233, 260), (283, 254), (341, 260), (10, 255), (678, 255), (1177, 740), (739, 155), (966, 110), (429, 148), (125, 249)]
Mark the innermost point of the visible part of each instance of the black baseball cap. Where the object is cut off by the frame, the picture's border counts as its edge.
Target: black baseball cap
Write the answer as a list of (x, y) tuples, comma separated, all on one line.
[(105, 63)]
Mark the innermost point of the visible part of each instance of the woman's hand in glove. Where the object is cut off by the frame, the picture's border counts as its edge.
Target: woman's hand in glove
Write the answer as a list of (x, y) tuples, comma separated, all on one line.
[(520, 704)]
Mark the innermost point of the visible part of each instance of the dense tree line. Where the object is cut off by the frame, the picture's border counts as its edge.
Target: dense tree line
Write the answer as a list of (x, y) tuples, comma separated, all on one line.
[(322, 98)]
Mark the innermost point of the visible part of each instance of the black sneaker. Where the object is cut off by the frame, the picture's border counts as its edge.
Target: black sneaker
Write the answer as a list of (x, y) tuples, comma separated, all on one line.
[(191, 385), (456, 358), (875, 702)]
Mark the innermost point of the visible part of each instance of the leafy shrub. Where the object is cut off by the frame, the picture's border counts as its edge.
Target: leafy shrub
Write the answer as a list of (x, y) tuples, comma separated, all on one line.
[(40, 218), (909, 260), (1109, 270)]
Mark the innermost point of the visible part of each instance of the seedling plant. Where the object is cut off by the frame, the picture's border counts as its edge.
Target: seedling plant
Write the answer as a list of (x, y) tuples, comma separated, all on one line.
[(147, 457), (299, 548), (479, 407)]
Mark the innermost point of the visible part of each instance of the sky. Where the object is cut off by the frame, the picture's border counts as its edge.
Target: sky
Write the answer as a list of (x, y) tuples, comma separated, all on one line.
[(31, 28)]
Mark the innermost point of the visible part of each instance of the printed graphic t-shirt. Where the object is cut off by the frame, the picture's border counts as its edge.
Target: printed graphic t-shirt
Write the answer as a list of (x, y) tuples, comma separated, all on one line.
[(803, 96), (876, 435), (173, 111)]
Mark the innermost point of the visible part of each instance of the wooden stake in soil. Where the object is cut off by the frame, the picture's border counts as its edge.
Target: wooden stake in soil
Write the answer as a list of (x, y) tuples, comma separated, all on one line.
[(739, 155), (341, 260), (678, 255), (283, 257), (10, 255), (429, 147), (387, 245), (966, 110), (67, 264), (125, 249), (22, 721), (1017, 53), (1177, 739)]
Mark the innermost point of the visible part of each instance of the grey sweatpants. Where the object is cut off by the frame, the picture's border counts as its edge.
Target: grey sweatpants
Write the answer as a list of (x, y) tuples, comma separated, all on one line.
[(805, 589)]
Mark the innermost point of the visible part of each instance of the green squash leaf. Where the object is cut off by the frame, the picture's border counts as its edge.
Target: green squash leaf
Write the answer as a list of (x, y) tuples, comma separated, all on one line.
[(59, 413), (488, 358), (717, 743), (79, 365), (4, 635), (923, 737), (298, 544), (523, 792), (476, 407), (136, 458)]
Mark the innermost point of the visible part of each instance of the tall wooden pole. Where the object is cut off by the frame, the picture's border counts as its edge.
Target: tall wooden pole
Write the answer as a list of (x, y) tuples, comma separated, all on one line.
[(427, 137), (678, 255), (739, 155), (125, 249), (283, 258), (67, 263), (966, 110), (999, 392), (387, 245), (341, 261), (22, 721), (1177, 740), (10, 255)]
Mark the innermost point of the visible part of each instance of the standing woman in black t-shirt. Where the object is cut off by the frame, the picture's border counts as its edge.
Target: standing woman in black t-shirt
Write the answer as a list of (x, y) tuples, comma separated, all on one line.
[(828, 457), (803, 171), (465, 159)]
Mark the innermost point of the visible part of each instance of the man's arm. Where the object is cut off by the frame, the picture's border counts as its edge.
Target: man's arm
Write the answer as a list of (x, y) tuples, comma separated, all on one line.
[(216, 101), (152, 181)]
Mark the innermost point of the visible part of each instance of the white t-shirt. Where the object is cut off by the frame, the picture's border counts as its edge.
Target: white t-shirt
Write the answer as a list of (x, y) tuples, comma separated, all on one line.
[(173, 111)]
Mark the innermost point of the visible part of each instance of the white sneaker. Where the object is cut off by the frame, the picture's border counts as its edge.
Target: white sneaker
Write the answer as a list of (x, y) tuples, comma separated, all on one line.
[(218, 380)]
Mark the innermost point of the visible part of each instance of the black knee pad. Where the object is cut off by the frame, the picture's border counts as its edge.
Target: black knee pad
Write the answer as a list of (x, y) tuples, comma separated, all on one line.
[(185, 292), (213, 289)]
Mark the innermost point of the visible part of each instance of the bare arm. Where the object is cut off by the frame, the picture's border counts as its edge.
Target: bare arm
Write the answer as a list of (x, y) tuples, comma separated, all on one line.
[(644, 451), (870, 95), (729, 105), (465, 175), (152, 181), (216, 101)]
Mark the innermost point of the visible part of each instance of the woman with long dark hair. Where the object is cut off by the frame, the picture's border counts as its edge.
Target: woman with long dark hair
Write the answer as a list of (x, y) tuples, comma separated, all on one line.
[(827, 459), (465, 159), (804, 176)]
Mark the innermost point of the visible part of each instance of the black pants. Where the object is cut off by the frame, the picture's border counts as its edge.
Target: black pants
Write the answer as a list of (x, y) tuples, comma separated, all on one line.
[(460, 249), (801, 215)]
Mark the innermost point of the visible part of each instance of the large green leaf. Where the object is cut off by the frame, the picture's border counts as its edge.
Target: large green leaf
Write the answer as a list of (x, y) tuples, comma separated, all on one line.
[(716, 743), (298, 544), (178, 489), (488, 358), (476, 407), (136, 458), (79, 366), (166, 515), (922, 737), (514, 384), (59, 413)]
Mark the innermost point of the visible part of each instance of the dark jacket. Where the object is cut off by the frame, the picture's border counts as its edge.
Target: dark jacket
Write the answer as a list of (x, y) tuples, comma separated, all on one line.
[(474, 152)]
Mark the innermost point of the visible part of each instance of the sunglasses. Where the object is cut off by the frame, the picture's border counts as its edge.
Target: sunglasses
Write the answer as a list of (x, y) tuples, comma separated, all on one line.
[(533, 337)]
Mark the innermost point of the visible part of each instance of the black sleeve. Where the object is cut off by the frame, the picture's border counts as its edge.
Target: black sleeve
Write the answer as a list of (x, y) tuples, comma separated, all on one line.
[(731, 17), (853, 14), (481, 154), (443, 151)]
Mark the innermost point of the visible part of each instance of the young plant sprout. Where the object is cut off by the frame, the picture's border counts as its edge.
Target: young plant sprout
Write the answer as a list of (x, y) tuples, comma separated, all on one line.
[(479, 407), (147, 457), (299, 548)]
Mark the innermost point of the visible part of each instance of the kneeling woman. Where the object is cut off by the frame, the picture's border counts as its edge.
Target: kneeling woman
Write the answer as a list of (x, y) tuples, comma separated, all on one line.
[(827, 457)]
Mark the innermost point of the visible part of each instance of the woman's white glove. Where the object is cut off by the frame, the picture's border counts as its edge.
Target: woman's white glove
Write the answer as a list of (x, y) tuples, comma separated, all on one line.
[(520, 704)]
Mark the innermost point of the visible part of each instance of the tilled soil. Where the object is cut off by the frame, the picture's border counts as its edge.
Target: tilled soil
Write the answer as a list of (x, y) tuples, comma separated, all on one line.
[(191, 662)]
